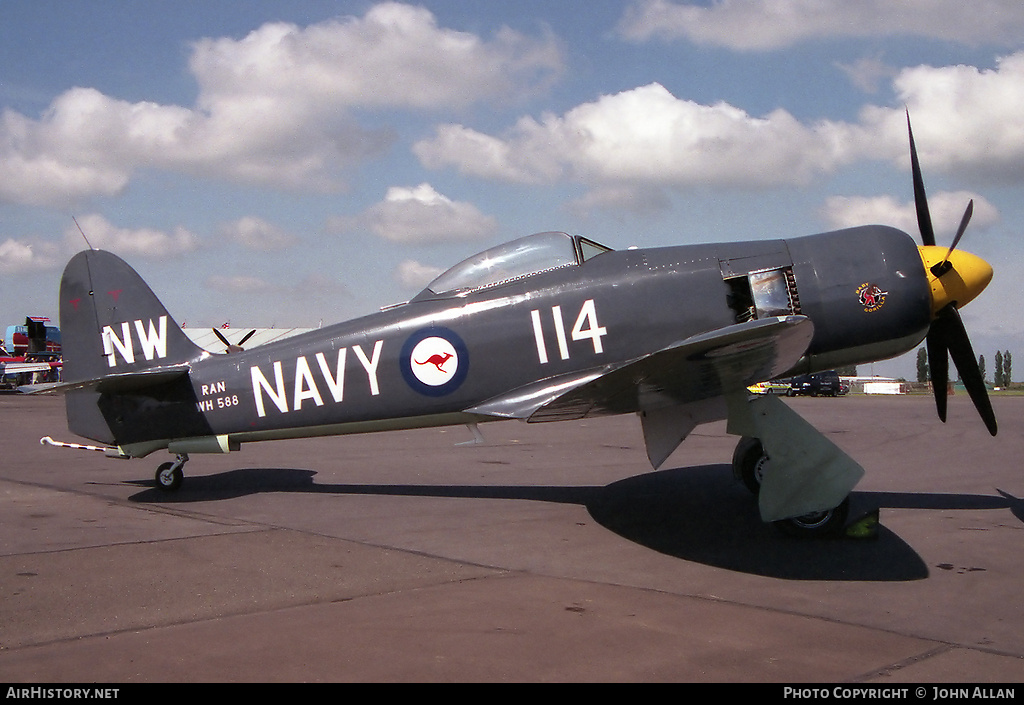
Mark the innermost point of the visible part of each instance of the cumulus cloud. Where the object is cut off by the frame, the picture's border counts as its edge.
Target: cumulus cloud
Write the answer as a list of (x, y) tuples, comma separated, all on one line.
[(946, 209), (257, 234), (130, 242), (867, 73), (630, 146), (966, 119), (413, 275), (19, 256), (42, 163), (396, 55), (645, 135), (275, 107), (420, 214), (759, 25)]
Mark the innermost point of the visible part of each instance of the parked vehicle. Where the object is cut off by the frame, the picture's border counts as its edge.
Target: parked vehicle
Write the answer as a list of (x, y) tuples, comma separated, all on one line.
[(821, 384), (776, 387)]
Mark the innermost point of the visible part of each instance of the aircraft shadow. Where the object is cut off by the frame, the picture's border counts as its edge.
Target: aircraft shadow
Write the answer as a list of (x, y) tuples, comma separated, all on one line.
[(702, 514), (698, 514)]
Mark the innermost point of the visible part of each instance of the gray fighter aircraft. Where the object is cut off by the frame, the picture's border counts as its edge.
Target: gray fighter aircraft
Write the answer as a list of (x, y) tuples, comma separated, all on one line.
[(548, 327)]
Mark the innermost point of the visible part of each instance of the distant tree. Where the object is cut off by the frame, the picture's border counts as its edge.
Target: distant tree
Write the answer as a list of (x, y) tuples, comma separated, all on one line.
[(981, 366), (847, 371), (998, 380), (922, 366), (1007, 368)]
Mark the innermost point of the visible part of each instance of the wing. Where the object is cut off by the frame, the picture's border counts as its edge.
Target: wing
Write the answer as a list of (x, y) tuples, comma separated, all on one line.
[(701, 367)]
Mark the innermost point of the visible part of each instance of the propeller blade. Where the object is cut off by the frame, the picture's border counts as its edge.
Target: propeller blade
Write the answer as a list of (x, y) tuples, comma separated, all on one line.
[(963, 226), (947, 336), (938, 366), (221, 336), (246, 337), (924, 218), (944, 266), (966, 364)]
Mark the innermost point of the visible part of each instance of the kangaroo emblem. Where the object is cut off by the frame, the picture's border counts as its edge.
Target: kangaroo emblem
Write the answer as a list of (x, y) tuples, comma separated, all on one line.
[(433, 364), (437, 360)]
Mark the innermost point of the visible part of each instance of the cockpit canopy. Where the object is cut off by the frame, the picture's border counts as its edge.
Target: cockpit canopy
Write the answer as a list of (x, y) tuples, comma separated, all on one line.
[(514, 260)]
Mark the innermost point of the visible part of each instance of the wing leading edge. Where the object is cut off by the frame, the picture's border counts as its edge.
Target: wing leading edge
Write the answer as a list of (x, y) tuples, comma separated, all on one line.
[(705, 366)]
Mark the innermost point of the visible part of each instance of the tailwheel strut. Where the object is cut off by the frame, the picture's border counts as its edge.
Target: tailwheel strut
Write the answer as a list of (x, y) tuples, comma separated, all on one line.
[(170, 475)]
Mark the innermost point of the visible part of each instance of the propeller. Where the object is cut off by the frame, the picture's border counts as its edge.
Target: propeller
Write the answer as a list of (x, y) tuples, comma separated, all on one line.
[(956, 278), (233, 347)]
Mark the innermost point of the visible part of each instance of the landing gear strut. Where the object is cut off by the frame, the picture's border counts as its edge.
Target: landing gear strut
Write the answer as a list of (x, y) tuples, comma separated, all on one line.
[(169, 476)]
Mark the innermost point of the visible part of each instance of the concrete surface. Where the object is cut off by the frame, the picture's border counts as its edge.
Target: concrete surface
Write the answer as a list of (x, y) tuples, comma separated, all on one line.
[(550, 553)]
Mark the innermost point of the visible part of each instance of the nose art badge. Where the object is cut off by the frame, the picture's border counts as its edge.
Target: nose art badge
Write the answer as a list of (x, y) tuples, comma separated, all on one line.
[(871, 296)]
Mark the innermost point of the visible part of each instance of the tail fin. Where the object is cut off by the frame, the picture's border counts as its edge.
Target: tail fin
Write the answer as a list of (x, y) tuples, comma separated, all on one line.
[(123, 353), (113, 324)]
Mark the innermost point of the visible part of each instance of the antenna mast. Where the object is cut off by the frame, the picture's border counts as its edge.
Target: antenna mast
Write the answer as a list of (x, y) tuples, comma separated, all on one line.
[(83, 233)]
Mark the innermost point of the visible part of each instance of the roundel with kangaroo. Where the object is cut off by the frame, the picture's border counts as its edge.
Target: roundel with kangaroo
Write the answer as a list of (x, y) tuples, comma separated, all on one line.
[(434, 361)]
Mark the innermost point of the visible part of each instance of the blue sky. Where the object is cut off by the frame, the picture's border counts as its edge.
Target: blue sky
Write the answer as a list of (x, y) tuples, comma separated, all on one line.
[(288, 164)]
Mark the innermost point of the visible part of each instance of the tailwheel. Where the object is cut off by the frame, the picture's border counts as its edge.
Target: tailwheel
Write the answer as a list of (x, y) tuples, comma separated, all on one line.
[(169, 476), (830, 522)]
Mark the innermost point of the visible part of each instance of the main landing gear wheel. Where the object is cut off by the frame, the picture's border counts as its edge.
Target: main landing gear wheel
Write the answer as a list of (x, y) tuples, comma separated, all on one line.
[(748, 463), (816, 524), (169, 476)]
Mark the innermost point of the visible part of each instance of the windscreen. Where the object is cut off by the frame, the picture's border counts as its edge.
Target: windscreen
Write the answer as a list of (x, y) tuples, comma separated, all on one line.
[(513, 260)]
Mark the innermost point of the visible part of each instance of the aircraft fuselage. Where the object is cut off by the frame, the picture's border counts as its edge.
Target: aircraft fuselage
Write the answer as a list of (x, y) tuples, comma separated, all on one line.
[(427, 361)]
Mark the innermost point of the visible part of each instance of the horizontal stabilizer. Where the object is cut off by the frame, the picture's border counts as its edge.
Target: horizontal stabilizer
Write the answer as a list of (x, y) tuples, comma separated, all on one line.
[(124, 382), (17, 368)]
